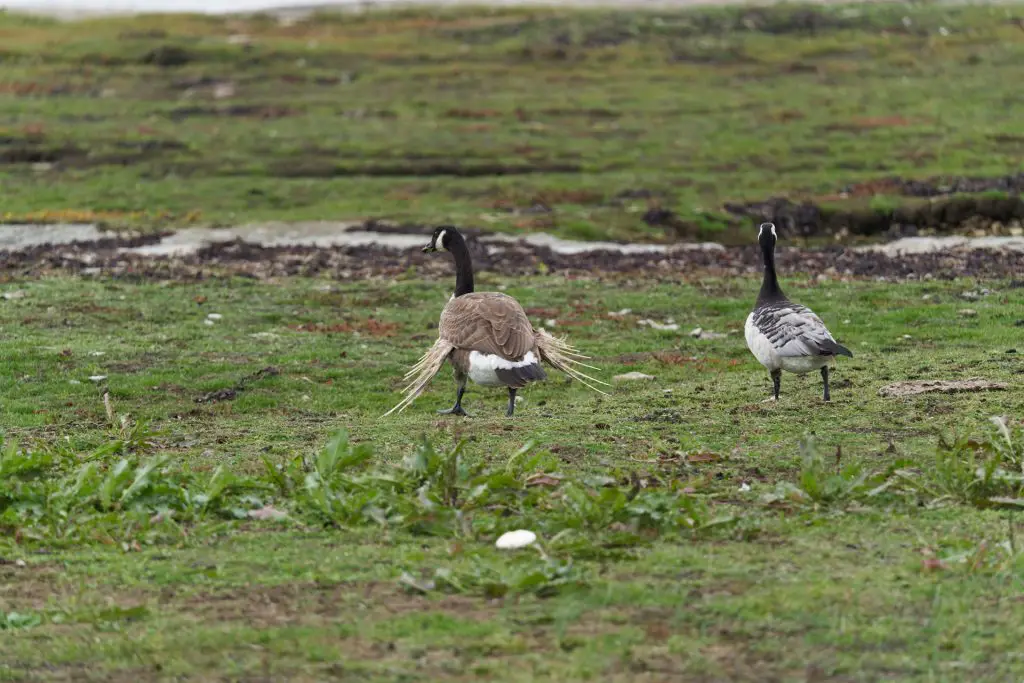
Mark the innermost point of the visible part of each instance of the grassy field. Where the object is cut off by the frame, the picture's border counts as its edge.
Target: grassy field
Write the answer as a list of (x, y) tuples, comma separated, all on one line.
[(195, 481), (481, 117), (235, 542)]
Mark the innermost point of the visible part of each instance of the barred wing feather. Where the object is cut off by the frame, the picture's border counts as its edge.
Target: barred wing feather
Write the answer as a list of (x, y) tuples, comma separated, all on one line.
[(794, 330)]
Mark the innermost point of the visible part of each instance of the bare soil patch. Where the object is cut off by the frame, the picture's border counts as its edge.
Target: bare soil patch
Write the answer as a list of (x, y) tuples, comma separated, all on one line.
[(810, 219), (901, 389), (238, 258)]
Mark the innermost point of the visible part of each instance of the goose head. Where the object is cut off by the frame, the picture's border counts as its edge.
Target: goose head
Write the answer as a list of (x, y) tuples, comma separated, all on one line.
[(766, 236), (442, 238)]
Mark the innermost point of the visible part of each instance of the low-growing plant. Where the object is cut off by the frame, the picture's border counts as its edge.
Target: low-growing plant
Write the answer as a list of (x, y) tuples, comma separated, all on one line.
[(999, 556), (823, 484), (986, 472), (12, 621), (528, 573), (132, 500)]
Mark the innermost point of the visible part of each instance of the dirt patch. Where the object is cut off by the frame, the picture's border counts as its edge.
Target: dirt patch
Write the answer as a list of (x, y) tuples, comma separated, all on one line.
[(38, 89), (473, 113), (231, 393), (35, 149), (901, 389), (808, 219), (239, 258), (250, 111), (558, 38), (301, 602), (873, 122), (938, 186), (27, 588), (29, 153), (167, 56), (542, 201), (329, 168)]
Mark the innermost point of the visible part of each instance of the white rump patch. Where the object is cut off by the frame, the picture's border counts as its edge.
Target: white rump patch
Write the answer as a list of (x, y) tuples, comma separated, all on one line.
[(482, 367)]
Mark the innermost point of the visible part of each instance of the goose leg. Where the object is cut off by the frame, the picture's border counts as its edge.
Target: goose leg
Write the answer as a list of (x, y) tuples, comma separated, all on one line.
[(824, 378), (776, 384), (457, 408), (511, 402)]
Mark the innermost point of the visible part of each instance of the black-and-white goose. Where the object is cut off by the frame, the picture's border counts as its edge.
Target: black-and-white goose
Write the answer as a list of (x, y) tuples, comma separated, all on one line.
[(487, 338), (783, 335)]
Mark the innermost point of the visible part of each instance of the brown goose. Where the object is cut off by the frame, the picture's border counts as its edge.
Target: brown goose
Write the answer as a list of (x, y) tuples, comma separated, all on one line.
[(487, 338)]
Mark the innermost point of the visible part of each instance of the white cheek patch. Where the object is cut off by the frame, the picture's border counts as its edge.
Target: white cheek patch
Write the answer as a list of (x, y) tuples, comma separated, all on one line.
[(773, 231), (439, 242)]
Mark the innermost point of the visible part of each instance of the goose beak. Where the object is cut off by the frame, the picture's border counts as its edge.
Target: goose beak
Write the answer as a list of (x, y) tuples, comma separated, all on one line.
[(429, 248)]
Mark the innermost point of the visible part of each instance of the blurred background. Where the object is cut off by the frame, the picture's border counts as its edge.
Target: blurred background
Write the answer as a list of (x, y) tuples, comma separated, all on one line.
[(662, 123)]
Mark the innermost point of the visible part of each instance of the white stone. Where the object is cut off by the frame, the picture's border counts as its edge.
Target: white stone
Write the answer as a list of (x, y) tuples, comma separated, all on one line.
[(513, 540)]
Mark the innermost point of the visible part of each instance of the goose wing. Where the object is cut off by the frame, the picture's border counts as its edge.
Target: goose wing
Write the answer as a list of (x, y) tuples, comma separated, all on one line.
[(488, 322), (794, 330)]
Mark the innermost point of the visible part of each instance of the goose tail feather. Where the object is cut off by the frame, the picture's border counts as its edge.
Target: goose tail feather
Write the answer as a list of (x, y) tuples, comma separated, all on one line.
[(421, 373), (563, 356)]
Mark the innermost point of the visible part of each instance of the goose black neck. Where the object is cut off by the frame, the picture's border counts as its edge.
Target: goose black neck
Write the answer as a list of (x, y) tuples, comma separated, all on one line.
[(770, 290), (463, 265)]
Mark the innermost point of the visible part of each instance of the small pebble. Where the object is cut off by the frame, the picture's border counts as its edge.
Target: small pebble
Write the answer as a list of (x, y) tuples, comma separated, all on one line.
[(631, 376), (513, 540)]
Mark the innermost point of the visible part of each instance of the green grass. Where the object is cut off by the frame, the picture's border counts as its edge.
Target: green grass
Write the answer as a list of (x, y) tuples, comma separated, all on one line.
[(688, 530), (817, 576), (469, 115)]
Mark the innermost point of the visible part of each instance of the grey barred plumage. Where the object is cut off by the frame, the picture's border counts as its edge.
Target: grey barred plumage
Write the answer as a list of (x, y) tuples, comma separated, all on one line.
[(784, 335), (794, 330)]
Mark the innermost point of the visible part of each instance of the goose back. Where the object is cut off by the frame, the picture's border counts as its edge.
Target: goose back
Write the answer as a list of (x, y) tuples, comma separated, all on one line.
[(794, 330), (490, 323)]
